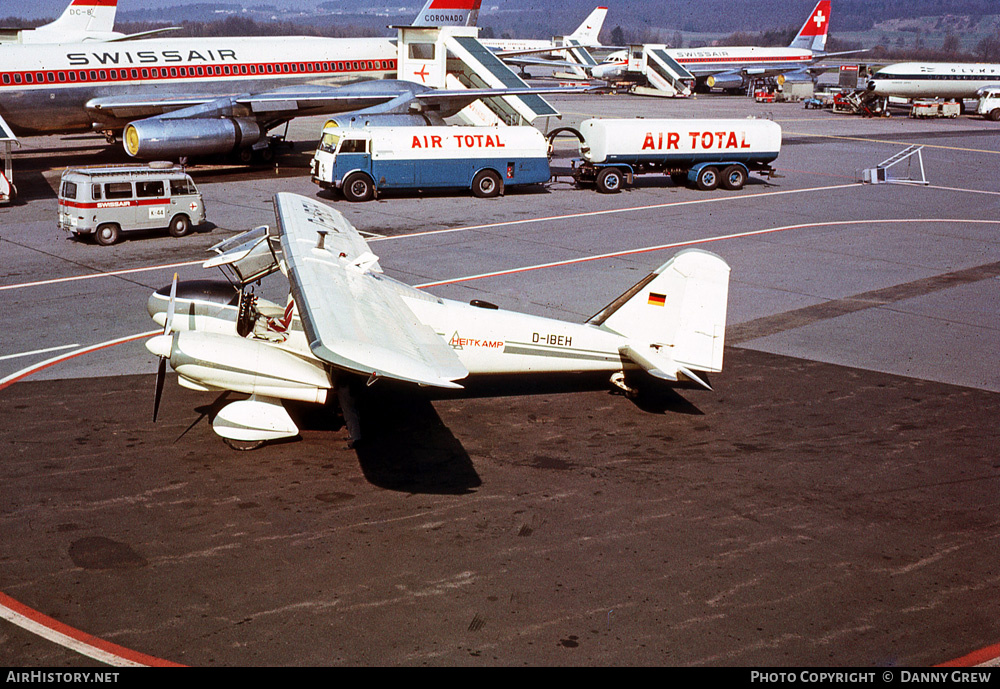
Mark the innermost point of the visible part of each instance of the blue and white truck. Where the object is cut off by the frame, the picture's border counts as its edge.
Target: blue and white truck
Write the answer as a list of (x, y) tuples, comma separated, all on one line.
[(704, 153), (362, 162)]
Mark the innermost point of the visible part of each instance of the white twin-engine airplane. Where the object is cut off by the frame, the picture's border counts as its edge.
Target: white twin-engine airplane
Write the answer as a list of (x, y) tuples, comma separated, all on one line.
[(730, 67), (346, 322), (82, 20)]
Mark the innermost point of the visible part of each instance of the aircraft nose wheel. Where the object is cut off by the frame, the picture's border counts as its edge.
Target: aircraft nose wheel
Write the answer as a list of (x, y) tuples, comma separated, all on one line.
[(243, 445)]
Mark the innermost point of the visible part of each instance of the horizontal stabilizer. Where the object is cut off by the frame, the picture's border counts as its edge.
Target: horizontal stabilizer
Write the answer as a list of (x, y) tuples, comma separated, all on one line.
[(651, 360)]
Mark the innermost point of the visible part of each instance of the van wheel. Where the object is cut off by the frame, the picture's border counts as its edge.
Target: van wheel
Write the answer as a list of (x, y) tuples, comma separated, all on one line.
[(179, 226), (994, 114), (107, 234), (708, 178), (358, 187), (486, 184), (734, 177), (609, 180)]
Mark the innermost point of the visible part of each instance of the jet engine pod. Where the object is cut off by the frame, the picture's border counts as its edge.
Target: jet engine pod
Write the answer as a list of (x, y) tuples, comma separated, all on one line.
[(724, 81), (157, 137)]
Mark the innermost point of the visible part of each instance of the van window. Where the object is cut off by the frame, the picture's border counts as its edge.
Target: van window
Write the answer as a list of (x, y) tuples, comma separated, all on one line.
[(68, 190), (118, 190), (95, 192), (353, 146), (149, 189), (182, 186)]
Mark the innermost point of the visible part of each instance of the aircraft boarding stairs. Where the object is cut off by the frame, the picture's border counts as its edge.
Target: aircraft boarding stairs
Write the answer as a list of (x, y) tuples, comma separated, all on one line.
[(664, 76), (452, 57)]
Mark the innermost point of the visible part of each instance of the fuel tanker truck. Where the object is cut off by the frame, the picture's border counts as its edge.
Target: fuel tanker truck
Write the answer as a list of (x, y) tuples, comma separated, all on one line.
[(704, 153)]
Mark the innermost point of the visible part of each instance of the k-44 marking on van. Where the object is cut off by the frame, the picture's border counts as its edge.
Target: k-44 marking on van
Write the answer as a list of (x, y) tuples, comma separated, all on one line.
[(362, 162), (106, 200)]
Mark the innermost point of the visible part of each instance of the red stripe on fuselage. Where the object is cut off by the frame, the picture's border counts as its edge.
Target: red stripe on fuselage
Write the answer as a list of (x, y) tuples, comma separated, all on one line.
[(111, 75)]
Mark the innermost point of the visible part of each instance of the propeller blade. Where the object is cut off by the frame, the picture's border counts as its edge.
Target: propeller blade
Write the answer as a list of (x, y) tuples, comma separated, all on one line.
[(171, 307), (161, 372)]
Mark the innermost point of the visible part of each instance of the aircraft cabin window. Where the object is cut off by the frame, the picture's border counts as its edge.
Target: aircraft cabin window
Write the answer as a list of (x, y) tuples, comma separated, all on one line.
[(118, 190), (6, 78), (50, 77), (27, 78), (135, 74)]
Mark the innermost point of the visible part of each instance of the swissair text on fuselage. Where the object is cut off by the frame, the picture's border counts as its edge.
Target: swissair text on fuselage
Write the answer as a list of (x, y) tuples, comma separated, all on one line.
[(149, 57)]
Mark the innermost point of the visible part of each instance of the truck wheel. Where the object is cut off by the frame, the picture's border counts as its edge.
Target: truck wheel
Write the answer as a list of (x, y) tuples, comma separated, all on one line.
[(994, 114), (708, 178), (734, 177), (107, 234), (609, 180), (486, 184), (358, 187), (180, 225)]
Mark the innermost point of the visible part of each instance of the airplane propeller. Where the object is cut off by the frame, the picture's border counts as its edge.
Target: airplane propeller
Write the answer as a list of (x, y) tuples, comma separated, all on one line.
[(161, 369)]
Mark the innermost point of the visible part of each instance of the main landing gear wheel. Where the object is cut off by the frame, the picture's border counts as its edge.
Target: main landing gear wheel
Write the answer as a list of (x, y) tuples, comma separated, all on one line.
[(243, 445), (107, 234), (486, 184), (358, 187)]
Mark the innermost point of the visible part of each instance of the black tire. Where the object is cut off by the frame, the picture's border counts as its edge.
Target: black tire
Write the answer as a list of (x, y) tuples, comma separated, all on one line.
[(107, 234), (994, 114), (243, 445), (609, 180), (180, 225), (244, 156), (358, 187), (487, 184), (708, 178), (733, 177)]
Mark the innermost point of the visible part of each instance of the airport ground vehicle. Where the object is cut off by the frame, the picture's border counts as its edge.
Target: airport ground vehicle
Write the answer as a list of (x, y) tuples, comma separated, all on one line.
[(705, 153), (361, 162), (106, 200), (989, 103), (934, 108)]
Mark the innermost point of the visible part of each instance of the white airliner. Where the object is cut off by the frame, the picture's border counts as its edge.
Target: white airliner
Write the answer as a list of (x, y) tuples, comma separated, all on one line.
[(176, 97), (346, 323), (731, 67), (934, 79), (586, 35), (82, 20)]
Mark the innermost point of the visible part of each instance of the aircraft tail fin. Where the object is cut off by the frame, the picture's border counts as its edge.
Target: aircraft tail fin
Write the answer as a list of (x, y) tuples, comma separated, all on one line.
[(588, 31), (86, 15), (812, 35), (675, 318), (448, 13)]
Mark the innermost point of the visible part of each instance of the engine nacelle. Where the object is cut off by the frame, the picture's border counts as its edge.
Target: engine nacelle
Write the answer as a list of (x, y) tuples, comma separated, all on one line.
[(157, 138), (212, 361), (724, 81)]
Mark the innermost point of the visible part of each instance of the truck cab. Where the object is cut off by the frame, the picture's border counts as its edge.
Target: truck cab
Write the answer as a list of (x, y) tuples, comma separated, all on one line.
[(989, 103)]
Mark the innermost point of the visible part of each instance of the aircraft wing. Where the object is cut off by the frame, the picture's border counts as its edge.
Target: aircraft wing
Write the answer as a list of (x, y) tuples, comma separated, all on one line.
[(353, 318), (295, 101)]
